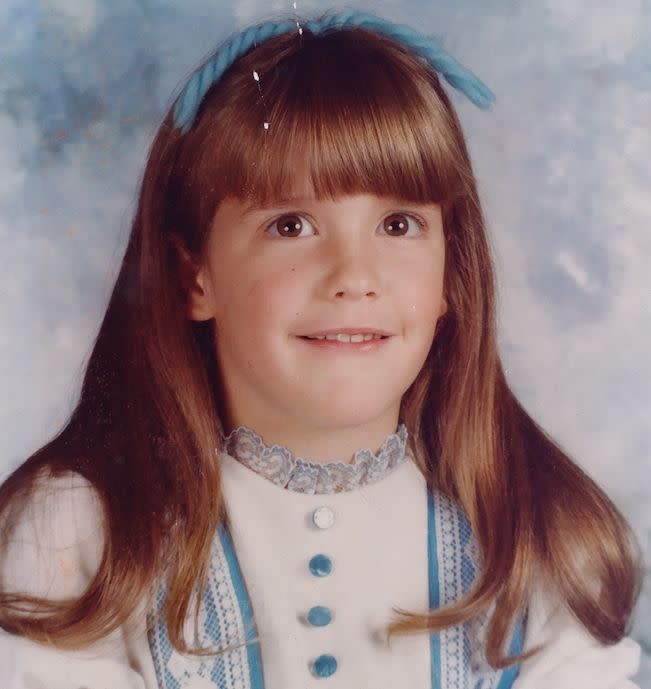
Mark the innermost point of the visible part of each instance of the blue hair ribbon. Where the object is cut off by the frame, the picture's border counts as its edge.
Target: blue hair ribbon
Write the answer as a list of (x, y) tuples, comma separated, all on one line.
[(458, 76)]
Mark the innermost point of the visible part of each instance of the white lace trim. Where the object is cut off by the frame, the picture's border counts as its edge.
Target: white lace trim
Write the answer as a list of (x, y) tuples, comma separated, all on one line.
[(219, 623), (277, 464)]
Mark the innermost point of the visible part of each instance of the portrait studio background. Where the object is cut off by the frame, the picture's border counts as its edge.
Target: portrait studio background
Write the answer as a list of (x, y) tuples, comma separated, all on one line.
[(562, 161)]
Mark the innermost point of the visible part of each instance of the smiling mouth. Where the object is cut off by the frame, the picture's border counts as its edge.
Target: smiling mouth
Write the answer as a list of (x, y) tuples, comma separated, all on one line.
[(343, 337)]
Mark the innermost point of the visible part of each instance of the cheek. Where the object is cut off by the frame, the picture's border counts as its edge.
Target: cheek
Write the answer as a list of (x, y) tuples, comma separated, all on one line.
[(272, 299), (422, 292)]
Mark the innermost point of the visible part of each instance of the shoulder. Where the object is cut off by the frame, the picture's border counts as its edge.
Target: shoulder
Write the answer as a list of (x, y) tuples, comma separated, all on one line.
[(55, 539), (570, 655)]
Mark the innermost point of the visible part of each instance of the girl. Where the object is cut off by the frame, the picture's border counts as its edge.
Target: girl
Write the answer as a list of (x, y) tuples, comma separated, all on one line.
[(296, 460)]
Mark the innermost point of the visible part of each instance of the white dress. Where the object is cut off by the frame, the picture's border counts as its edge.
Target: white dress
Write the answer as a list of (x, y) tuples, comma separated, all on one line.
[(380, 562)]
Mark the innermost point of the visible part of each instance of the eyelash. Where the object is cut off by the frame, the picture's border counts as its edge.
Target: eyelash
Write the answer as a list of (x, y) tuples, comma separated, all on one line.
[(419, 221)]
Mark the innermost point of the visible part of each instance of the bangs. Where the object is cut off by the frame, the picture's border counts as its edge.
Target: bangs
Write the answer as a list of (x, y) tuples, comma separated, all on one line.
[(342, 113)]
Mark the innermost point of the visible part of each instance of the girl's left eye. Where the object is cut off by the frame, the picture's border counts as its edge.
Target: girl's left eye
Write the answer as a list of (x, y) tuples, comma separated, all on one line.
[(396, 225)]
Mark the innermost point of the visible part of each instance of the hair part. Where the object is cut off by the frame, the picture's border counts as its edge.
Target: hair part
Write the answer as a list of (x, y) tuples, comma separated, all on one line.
[(361, 114)]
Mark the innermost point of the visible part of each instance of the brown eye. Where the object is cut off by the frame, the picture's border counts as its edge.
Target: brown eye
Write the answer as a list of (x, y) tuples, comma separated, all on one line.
[(290, 225), (397, 224)]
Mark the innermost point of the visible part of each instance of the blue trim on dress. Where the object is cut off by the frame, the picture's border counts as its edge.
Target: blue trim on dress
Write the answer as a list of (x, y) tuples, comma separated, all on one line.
[(433, 574), (510, 674), (161, 647), (254, 654)]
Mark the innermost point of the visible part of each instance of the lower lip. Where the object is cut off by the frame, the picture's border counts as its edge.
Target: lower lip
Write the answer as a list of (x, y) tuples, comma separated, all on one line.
[(336, 346)]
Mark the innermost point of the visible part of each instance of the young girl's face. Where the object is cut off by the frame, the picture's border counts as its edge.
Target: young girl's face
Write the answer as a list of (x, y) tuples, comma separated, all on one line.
[(273, 275)]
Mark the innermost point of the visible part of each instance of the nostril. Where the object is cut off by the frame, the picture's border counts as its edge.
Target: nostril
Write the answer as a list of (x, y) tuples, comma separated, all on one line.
[(342, 293)]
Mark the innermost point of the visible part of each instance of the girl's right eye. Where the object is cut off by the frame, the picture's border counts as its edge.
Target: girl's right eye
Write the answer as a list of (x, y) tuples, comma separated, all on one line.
[(289, 225)]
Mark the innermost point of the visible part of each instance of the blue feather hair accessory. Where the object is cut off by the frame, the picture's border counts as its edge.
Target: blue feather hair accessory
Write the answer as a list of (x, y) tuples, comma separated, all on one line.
[(211, 71)]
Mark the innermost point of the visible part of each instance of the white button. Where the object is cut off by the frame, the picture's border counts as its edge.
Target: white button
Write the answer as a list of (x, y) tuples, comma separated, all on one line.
[(323, 517)]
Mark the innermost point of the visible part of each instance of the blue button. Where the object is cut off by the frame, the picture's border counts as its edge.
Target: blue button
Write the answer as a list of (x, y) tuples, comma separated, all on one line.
[(320, 565), (318, 616), (324, 666)]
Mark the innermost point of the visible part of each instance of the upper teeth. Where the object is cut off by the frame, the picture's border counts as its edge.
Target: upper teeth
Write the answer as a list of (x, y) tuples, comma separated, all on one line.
[(343, 337)]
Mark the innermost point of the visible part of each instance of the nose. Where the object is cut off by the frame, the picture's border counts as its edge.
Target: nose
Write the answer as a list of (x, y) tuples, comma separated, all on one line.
[(353, 273)]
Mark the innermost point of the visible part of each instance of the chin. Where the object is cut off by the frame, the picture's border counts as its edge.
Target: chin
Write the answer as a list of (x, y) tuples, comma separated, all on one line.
[(345, 415)]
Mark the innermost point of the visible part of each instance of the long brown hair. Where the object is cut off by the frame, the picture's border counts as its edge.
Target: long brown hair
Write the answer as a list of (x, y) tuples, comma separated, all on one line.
[(363, 115)]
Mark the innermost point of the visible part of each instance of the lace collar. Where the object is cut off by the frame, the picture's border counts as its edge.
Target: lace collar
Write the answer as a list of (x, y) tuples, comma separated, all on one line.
[(277, 464)]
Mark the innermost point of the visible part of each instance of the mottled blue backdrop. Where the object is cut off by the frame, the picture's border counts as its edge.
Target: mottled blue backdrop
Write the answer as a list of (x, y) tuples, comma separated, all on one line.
[(563, 162)]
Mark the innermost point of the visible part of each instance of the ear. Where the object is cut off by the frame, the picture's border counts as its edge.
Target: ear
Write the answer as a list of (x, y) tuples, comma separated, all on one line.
[(194, 283)]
